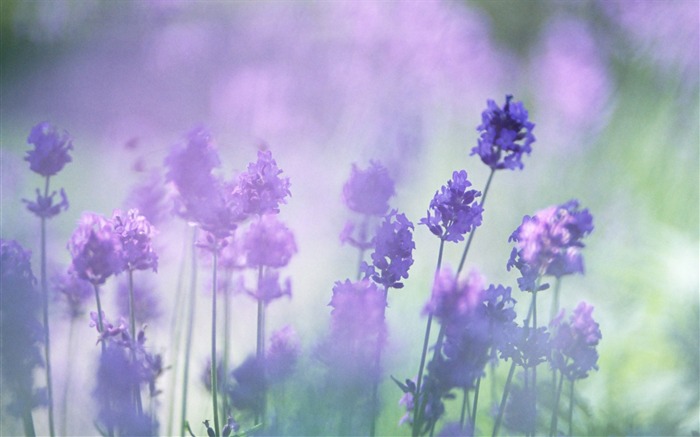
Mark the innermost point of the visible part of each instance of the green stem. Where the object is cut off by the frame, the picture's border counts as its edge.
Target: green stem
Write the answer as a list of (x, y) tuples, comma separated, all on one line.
[(465, 408), (188, 341), (28, 422), (260, 347), (471, 234), (555, 408), (66, 384), (571, 409), (214, 361), (504, 398), (227, 338), (45, 307), (376, 376), (534, 368), (555, 299), (476, 402), (132, 317), (100, 324)]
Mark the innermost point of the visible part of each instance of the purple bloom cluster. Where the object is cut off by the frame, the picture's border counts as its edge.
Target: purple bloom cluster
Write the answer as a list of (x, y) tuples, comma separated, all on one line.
[(282, 354), (74, 290), (20, 330), (51, 146), (455, 210), (135, 234), (393, 251), (95, 249), (505, 135), (574, 342), (151, 198), (260, 190), (452, 299), (368, 191), (44, 206), (269, 242), (549, 243), (269, 288)]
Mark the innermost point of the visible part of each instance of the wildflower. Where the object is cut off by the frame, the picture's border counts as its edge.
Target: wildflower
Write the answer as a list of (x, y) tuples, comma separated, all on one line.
[(452, 299), (368, 191), (146, 303), (260, 189), (393, 248), (20, 330), (282, 354), (249, 391), (574, 342), (44, 206), (549, 243), (498, 311), (269, 242), (150, 197), (74, 290), (270, 288), (51, 146), (95, 249), (117, 331), (135, 234), (455, 210), (505, 134)]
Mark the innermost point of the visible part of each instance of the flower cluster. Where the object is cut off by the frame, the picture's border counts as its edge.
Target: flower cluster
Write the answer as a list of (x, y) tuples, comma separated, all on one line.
[(135, 234), (393, 251), (454, 208), (269, 288), (74, 290), (95, 249), (51, 146), (549, 243), (574, 342), (44, 206), (269, 242), (368, 191), (282, 354), (505, 135), (260, 190)]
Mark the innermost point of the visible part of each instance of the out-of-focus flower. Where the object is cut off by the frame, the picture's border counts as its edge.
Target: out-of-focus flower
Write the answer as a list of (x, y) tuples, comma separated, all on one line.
[(368, 191), (150, 197), (282, 354), (393, 251), (549, 243), (574, 342), (51, 146), (452, 299), (520, 415), (269, 242), (455, 210), (135, 234), (110, 331), (249, 391), (498, 311), (20, 330), (146, 303), (505, 135), (95, 249), (260, 189), (44, 206), (361, 242), (270, 288), (455, 429), (74, 290), (231, 427)]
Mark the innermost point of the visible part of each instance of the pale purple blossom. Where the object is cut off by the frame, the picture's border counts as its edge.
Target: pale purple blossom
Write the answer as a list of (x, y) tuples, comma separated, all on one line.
[(574, 342), (368, 191), (451, 298), (51, 146), (269, 242), (135, 234), (44, 206), (260, 189), (455, 210), (95, 249), (282, 354), (393, 251), (270, 288), (74, 290)]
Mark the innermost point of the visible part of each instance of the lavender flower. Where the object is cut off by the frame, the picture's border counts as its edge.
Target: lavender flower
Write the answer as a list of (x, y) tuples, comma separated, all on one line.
[(393, 248), (452, 299), (260, 190), (146, 303), (455, 210), (270, 288), (249, 391), (498, 310), (282, 354), (44, 207), (368, 191), (51, 146), (20, 330), (118, 331), (150, 197), (135, 234), (574, 342), (549, 243), (95, 249), (269, 242), (74, 290), (505, 134)]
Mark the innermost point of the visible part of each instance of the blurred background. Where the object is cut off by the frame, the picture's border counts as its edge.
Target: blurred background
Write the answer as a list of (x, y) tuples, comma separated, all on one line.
[(612, 87)]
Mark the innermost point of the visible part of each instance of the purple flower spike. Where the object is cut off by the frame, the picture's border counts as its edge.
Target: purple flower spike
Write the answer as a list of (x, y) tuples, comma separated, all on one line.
[(135, 234), (75, 291), (260, 190), (270, 288), (44, 206), (393, 251), (368, 191), (549, 243), (574, 342), (95, 249), (505, 134), (269, 242), (455, 210), (282, 354), (51, 146), (452, 299), (190, 165)]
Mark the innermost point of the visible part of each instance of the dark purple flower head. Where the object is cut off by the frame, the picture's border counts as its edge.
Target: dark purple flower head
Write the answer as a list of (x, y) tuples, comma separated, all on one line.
[(95, 249), (248, 393), (393, 251), (505, 134), (549, 243), (282, 354), (44, 206), (51, 146), (270, 288), (574, 342), (455, 210), (135, 234), (260, 189), (452, 299), (75, 291), (268, 242), (368, 191)]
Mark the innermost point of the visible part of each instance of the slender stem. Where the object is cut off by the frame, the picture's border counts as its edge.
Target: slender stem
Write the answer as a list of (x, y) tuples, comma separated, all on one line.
[(361, 251), (66, 384), (471, 234), (534, 368), (188, 342), (555, 408), (132, 317), (555, 299), (45, 305), (176, 328), (28, 422), (260, 347), (227, 337), (476, 401), (504, 398), (376, 375), (571, 409), (214, 361), (100, 324), (465, 408)]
